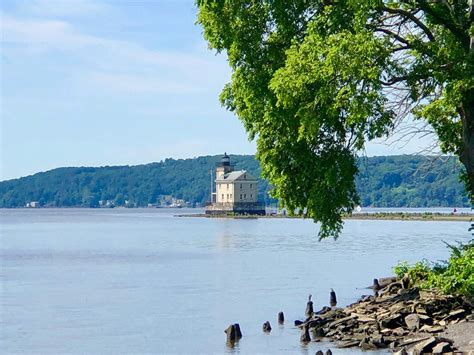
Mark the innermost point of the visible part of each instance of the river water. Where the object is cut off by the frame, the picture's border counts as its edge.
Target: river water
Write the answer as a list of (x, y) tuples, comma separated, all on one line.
[(143, 281)]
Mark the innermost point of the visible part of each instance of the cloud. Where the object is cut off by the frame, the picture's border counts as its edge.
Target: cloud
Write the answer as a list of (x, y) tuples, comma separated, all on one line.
[(61, 8), (115, 64), (140, 84), (43, 35)]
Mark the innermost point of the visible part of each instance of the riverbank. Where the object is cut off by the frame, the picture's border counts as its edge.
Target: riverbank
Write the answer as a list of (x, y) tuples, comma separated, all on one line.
[(405, 320), (391, 216)]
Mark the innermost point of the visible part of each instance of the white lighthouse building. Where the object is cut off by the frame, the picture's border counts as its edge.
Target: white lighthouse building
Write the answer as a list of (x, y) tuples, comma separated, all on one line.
[(236, 191)]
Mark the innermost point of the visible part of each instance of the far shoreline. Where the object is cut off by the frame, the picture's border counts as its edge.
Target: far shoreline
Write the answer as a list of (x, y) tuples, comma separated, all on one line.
[(388, 216)]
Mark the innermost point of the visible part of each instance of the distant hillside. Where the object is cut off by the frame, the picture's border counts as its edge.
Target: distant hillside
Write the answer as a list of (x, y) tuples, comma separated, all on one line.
[(392, 181)]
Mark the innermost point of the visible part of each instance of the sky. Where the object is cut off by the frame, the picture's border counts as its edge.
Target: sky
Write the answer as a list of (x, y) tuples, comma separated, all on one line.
[(96, 82)]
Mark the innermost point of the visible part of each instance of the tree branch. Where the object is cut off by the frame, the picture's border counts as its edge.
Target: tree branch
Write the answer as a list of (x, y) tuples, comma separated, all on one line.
[(394, 35), (459, 32), (412, 17)]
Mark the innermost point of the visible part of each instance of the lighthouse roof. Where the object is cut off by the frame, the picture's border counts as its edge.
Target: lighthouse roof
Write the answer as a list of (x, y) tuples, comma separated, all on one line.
[(237, 175)]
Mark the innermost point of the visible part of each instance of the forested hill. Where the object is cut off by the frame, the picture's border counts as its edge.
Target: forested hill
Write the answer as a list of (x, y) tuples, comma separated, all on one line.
[(388, 181)]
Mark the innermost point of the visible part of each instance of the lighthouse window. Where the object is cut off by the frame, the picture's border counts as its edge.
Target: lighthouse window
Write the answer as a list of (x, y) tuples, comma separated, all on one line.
[(240, 185), (222, 196), (250, 185), (240, 196), (245, 176), (245, 195), (227, 186), (227, 196), (230, 195), (251, 195)]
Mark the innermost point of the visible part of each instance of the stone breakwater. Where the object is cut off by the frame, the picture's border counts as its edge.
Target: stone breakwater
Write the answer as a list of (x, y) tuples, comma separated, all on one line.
[(405, 320)]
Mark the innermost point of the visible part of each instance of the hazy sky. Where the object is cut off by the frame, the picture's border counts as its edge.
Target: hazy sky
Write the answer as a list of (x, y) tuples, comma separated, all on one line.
[(92, 83)]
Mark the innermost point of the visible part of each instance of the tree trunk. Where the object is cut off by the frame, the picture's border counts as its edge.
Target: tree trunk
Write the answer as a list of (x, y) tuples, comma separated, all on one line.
[(467, 154)]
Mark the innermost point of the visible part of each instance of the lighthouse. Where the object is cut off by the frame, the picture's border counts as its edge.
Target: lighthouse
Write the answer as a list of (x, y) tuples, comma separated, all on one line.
[(236, 191)]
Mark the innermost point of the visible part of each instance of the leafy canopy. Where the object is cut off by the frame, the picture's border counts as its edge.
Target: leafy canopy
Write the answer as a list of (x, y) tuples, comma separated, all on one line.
[(314, 80)]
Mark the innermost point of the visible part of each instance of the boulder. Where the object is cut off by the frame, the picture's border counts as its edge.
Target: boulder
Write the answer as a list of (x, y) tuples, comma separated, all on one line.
[(298, 323), (328, 352), (319, 352), (412, 321)]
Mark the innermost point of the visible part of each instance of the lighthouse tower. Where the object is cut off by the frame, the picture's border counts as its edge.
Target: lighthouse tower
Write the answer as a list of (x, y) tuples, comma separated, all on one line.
[(223, 167)]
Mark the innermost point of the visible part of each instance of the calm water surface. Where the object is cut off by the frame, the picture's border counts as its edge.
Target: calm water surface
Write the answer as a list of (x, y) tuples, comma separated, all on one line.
[(143, 281)]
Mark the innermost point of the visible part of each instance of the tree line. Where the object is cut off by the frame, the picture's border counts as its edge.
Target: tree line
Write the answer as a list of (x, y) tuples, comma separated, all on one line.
[(385, 181)]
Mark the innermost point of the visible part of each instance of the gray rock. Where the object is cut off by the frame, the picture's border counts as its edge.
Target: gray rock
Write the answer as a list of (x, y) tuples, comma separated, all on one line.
[(424, 346), (412, 321), (402, 351), (384, 281), (298, 323), (431, 329), (348, 344), (391, 321), (442, 348), (319, 352), (456, 314), (323, 310), (328, 352)]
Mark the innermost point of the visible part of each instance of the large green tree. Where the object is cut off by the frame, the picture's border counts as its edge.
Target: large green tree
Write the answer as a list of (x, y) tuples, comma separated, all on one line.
[(314, 80)]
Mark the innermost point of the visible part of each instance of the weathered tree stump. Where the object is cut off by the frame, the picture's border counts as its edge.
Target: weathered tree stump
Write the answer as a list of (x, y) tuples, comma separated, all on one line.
[(332, 298), (376, 286), (267, 328), (230, 331), (238, 333), (309, 307), (305, 338), (281, 318)]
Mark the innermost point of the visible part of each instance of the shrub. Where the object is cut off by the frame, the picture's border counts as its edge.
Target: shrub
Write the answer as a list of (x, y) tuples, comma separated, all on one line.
[(455, 276)]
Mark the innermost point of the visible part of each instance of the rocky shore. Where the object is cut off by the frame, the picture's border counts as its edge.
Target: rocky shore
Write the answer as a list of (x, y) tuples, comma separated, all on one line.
[(404, 319)]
